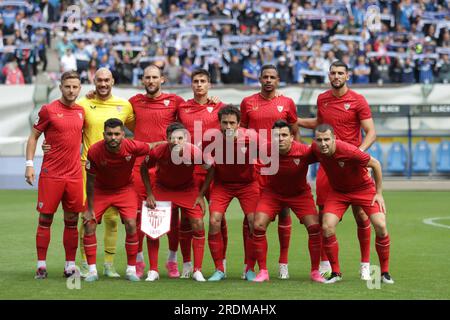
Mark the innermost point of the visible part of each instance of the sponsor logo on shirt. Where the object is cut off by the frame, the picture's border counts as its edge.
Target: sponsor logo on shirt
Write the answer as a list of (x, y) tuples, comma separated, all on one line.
[(40, 204), (280, 108), (128, 158), (92, 107), (166, 102), (297, 161), (341, 164), (210, 109), (347, 106)]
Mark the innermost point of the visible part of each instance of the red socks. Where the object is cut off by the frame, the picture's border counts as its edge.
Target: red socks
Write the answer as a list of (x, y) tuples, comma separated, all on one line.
[(224, 231), (215, 242), (185, 239), (331, 247), (153, 249), (90, 248), (131, 247), (245, 235), (364, 231), (173, 233), (382, 246), (43, 238), (70, 239), (260, 248), (314, 245), (198, 246), (284, 236)]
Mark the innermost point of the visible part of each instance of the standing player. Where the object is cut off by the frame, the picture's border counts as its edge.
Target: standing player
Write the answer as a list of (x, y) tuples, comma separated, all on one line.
[(154, 111), (198, 115), (174, 182), (60, 179), (109, 183), (259, 112), (287, 188), (347, 112), (232, 179), (346, 169), (103, 107)]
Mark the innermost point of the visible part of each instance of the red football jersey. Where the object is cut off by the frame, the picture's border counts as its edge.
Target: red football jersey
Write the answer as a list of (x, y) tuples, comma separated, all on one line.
[(344, 114), (169, 174), (113, 170), (290, 179), (154, 115), (259, 113), (206, 114), (347, 168), (62, 127), (235, 162)]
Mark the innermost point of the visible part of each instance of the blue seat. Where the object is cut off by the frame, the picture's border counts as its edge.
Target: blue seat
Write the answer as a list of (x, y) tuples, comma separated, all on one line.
[(397, 158), (376, 152), (421, 158), (443, 157)]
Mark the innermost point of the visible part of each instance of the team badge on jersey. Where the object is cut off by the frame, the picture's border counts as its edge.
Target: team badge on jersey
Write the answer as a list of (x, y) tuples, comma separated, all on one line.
[(280, 108), (40, 204), (254, 108), (187, 110), (60, 115), (119, 108), (210, 109), (297, 162), (341, 164), (166, 102), (128, 158), (347, 106)]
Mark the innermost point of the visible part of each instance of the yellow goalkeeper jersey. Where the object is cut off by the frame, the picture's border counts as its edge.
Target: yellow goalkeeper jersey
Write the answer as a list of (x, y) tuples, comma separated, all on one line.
[(97, 112)]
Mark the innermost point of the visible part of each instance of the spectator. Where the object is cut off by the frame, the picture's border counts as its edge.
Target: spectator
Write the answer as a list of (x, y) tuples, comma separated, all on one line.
[(299, 66), (251, 70), (172, 71), (408, 71), (443, 69), (92, 69), (82, 57), (361, 71), (426, 71), (187, 68), (235, 71), (13, 74), (62, 46), (68, 61), (284, 71)]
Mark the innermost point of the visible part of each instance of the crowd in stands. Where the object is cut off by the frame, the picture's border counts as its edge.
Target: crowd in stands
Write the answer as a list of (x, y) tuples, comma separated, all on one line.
[(382, 42)]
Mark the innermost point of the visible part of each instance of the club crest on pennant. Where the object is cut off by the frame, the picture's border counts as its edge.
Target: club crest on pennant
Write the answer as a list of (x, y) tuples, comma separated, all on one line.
[(210, 109), (297, 162), (280, 108), (243, 149), (166, 102), (347, 106), (341, 164), (156, 222)]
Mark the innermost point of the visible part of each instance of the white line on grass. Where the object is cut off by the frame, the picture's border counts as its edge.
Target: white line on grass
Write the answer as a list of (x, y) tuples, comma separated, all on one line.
[(431, 222)]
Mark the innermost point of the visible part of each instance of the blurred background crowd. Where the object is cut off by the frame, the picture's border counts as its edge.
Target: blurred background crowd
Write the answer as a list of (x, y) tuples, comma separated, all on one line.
[(382, 42)]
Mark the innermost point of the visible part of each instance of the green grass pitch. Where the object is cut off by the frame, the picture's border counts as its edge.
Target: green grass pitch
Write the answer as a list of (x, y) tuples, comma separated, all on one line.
[(420, 258)]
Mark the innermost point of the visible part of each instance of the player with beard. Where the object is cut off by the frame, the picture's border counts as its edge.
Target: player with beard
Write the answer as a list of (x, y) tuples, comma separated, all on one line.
[(347, 112)]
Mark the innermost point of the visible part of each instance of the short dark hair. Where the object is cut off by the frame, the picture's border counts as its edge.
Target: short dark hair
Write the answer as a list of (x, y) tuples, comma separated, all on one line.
[(173, 127), (113, 123), (200, 71), (268, 67), (230, 109), (324, 127), (282, 124), (339, 63), (70, 75)]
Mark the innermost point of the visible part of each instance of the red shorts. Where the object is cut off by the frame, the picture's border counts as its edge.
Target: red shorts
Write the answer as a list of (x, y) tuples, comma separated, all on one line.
[(183, 199), (222, 194), (53, 191), (262, 181), (199, 179), (338, 202), (271, 204), (124, 200), (323, 187)]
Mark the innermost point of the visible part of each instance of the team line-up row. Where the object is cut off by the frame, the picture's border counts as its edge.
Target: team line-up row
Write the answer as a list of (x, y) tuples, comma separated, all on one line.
[(119, 173)]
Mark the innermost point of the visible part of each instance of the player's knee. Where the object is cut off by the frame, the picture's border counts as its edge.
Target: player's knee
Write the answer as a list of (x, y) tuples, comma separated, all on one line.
[(130, 226), (327, 229), (89, 228), (381, 229), (197, 225)]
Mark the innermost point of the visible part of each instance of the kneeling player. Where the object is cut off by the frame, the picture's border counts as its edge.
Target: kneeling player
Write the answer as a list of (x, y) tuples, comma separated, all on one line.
[(174, 181), (346, 168), (109, 177), (286, 188)]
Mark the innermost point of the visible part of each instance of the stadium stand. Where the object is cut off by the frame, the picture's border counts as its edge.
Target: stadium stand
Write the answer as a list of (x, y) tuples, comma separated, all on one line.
[(397, 159), (443, 157), (376, 152), (421, 158)]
